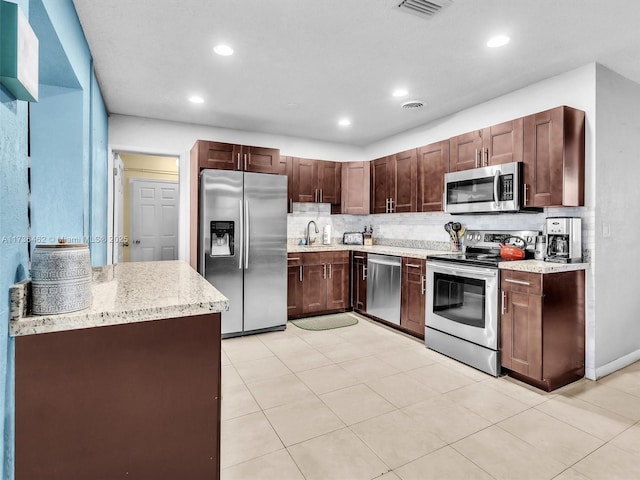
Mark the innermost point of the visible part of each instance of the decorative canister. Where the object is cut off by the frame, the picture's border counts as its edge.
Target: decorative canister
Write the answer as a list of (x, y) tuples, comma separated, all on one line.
[(60, 278)]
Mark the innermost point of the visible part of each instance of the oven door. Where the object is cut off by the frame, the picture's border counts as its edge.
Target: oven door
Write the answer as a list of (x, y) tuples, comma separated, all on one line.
[(462, 301)]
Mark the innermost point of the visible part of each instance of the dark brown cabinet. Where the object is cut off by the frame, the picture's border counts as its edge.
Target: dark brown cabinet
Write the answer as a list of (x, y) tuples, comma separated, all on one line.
[(433, 163), (318, 282), (226, 156), (501, 143), (554, 153), (355, 188), (316, 181), (393, 183), (359, 281), (294, 285), (412, 311), (542, 327), (73, 418)]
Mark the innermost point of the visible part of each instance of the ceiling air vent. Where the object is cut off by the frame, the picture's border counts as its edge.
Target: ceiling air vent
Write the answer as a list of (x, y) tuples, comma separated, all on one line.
[(424, 8), (413, 104)]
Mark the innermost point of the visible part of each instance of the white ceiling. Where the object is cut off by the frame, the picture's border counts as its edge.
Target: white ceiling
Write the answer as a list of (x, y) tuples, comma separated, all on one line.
[(334, 58)]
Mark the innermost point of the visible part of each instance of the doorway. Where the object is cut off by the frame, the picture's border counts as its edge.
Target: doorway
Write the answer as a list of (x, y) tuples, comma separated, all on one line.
[(146, 206)]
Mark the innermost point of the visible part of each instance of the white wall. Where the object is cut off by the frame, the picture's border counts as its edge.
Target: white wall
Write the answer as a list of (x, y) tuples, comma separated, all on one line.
[(617, 333)]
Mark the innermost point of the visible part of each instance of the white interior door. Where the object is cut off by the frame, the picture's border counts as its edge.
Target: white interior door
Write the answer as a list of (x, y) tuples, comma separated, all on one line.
[(118, 209), (154, 220)]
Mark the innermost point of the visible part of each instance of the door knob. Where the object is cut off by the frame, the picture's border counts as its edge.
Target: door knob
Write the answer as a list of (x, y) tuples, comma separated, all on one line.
[(137, 242)]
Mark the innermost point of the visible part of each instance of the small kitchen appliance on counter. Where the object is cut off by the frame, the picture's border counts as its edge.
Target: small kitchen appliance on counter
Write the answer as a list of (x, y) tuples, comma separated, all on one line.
[(353, 238), (564, 239)]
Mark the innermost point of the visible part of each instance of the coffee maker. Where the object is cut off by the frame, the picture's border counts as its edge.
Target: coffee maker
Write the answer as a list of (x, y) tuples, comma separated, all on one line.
[(564, 239)]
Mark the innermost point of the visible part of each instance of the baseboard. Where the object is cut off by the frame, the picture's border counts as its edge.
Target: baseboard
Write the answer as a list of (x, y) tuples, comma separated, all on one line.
[(617, 364)]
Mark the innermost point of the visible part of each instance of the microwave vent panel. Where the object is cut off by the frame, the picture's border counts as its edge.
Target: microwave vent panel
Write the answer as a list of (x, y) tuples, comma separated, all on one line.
[(424, 8)]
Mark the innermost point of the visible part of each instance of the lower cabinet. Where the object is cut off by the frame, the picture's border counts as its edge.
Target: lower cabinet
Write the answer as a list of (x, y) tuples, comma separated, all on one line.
[(413, 296), (359, 281), (318, 282), (141, 398), (542, 327)]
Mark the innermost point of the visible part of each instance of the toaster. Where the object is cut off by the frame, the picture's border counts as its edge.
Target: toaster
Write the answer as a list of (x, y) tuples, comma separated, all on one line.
[(353, 238)]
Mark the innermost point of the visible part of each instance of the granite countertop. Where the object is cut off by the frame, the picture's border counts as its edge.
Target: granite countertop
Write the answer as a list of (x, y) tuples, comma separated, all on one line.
[(538, 266), (132, 292), (534, 266), (380, 249)]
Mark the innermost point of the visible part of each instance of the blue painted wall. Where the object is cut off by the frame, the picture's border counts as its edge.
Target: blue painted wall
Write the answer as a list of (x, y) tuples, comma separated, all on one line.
[(13, 247), (69, 171)]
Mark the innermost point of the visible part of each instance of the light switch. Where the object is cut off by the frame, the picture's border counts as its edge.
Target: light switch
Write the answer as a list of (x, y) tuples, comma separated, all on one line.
[(606, 230)]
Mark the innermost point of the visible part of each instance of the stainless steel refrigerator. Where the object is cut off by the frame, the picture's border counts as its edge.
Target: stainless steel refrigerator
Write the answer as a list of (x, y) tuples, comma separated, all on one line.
[(242, 247)]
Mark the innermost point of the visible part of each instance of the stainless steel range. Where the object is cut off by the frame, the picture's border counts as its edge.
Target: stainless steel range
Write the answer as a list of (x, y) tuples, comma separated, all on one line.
[(462, 319)]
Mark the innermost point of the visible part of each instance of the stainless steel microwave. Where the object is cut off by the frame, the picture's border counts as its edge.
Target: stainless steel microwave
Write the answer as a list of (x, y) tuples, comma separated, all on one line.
[(493, 189)]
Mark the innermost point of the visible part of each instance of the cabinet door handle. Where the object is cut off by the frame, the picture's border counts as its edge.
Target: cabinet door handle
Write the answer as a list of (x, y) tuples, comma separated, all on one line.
[(413, 265), (300, 273), (324, 270), (503, 308), (358, 257), (293, 258), (485, 157), (477, 157), (245, 161), (238, 161), (315, 195), (518, 282), (391, 202), (526, 191), (364, 272), (321, 195), (330, 271), (423, 284), (291, 205)]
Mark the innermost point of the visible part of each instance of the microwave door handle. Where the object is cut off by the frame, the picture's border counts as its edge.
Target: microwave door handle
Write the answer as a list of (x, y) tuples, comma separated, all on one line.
[(496, 185)]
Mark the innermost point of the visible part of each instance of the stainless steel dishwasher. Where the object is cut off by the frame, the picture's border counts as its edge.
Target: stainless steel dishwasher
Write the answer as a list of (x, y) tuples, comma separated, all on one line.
[(383, 287)]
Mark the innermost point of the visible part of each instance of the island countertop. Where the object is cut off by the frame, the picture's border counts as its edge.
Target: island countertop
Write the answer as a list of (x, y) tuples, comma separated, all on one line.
[(128, 293)]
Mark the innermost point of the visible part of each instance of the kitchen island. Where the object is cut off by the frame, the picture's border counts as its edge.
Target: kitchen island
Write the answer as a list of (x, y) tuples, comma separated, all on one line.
[(128, 388)]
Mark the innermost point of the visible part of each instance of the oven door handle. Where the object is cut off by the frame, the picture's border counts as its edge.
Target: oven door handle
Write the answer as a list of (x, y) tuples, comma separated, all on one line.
[(451, 269), (496, 185)]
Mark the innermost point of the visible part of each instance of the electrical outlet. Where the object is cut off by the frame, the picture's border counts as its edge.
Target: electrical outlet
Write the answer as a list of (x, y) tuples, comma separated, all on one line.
[(606, 230)]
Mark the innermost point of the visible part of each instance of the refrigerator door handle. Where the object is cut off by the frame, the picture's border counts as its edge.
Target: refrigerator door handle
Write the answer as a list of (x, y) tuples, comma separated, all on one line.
[(247, 234), (241, 234)]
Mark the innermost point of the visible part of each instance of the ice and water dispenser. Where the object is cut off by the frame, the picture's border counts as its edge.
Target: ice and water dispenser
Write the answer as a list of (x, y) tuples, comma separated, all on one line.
[(221, 238)]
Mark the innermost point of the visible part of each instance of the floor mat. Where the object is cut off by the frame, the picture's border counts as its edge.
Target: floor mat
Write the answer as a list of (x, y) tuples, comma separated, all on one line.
[(326, 322)]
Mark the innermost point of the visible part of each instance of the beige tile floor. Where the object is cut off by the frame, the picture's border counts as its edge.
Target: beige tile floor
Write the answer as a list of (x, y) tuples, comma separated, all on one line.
[(366, 402)]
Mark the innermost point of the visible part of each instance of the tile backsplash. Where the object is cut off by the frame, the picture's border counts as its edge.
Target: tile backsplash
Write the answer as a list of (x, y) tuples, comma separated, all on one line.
[(423, 230)]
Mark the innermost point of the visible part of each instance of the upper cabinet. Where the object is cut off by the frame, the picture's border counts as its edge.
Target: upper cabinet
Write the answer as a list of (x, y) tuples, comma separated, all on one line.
[(355, 188), (316, 181), (393, 183), (433, 163), (554, 153), (501, 143), (227, 156)]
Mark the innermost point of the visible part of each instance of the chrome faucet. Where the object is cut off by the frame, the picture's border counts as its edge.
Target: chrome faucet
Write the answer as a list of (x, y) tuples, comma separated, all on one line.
[(308, 237)]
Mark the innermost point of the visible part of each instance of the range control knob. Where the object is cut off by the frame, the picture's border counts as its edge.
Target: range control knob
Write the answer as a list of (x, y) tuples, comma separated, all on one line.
[(469, 236), (478, 237)]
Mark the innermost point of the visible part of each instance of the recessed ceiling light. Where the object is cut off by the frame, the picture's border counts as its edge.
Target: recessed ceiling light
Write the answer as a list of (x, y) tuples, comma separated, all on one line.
[(224, 50), (498, 41), (344, 122), (196, 99), (400, 92)]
